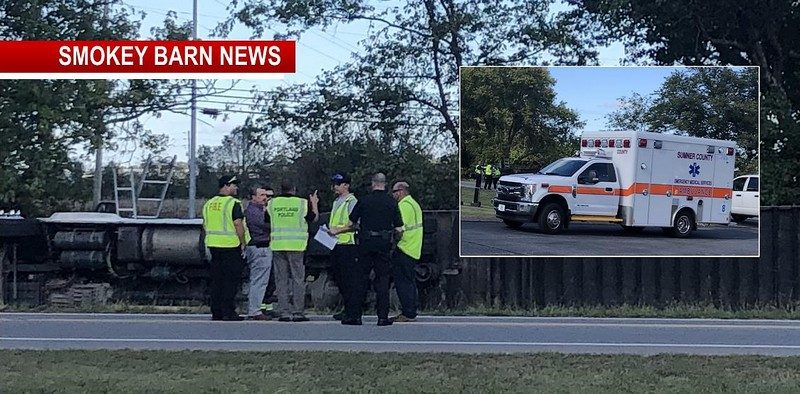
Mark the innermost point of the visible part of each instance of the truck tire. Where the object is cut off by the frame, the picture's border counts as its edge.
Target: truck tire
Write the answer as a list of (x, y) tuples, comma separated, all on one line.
[(683, 224), (552, 218), (513, 224), (738, 218)]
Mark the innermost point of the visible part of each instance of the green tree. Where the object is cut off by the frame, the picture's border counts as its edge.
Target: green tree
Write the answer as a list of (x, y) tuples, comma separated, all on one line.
[(738, 32), (310, 167), (719, 103), (406, 71), (511, 116), (44, 124), (633, 113), (361, 158)]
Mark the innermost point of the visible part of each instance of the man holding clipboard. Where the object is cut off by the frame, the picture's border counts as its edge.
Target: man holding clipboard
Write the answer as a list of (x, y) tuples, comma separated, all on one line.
[(343, 255)]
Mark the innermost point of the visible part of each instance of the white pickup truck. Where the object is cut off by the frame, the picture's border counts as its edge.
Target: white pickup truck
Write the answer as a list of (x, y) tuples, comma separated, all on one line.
[(745, 203), (634, 179)]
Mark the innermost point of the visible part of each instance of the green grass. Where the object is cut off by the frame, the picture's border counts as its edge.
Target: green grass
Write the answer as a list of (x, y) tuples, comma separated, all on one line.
[(486, 210), (788, 312), (117, 307), (690, 311), (148, 371)]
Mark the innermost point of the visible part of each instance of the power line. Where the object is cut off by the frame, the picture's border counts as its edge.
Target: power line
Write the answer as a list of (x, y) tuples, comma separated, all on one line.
[(254, 101), (323, 35), (331, 118), (164, 12), (320, 52), (417, 110), (263, 91), (222, 4)]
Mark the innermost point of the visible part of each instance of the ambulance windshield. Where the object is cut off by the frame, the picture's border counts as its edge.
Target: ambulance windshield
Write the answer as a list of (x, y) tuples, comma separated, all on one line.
[(563, 167)]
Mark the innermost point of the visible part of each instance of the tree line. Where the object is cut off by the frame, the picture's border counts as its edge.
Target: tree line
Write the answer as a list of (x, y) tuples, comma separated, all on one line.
[(397, 98)]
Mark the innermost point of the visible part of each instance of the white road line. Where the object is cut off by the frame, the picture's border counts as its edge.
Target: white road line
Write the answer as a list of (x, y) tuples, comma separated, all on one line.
[(427, 323), (428, 343)]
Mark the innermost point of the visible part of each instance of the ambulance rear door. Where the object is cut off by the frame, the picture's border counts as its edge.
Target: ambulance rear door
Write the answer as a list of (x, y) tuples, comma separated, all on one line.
[(723, 185), (641, 190)]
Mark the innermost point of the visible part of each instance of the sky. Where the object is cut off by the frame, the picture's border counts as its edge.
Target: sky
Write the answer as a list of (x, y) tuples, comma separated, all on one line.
[(319, 50), (594, 92)]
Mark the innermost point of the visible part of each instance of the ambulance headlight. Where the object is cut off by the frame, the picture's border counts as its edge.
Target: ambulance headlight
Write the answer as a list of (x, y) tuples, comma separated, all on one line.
[(528, 192)]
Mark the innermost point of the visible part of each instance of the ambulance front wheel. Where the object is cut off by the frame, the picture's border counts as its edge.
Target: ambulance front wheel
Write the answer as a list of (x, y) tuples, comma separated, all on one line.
[(683, 225), (552, 218)]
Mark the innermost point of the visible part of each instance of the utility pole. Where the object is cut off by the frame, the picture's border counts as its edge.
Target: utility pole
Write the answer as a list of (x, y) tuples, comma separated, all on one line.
[(97, 186), (193, 131), (245, 139)]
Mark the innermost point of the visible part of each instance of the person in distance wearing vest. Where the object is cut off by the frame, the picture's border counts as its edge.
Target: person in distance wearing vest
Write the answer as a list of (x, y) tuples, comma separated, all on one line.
[(487, 176), (408, 252), (289, 216), (343, 256), (226, 237), (495, 176), (478, 175)]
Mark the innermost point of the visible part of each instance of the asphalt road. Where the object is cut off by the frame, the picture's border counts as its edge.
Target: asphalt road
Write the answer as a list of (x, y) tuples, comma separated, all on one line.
[(429, 334), (493, 238)]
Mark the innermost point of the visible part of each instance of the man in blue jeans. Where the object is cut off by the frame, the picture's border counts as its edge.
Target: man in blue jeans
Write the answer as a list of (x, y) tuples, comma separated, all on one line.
[(408, 252), (259, 255)]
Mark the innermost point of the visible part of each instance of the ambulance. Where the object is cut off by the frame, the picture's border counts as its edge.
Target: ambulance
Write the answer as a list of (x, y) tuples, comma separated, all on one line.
[(632, 178)]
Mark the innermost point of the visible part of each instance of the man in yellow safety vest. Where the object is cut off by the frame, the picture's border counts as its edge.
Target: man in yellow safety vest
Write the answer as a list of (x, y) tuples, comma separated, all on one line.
[(289, 216), (487, 176), (343, 256), (226, 237), (377, 216), (408, 253), (495, 176)]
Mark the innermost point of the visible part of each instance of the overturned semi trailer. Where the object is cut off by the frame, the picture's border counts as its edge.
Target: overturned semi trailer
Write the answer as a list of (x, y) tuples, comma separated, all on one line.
[(91, 257)]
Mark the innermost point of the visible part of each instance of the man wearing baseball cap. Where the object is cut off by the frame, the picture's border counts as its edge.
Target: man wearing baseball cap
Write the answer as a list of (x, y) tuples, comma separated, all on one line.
[(343, 256), (226, 237)]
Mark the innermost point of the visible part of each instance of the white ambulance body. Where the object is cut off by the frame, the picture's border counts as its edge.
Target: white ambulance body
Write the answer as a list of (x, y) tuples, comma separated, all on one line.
[(635, 179)]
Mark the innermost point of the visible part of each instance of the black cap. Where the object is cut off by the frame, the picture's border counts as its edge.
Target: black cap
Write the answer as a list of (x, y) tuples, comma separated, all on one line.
[(340, 178), (227, 180)]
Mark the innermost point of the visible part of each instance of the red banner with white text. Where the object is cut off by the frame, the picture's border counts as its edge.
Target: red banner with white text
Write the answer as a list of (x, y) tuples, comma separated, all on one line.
[(147, 59)]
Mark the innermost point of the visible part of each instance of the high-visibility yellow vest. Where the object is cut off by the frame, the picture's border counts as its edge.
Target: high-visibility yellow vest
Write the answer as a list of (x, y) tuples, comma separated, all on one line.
[(288, 227), (340, 217), (487, 170), (218, 223), (478, 169), (495, 171), (411, 241)]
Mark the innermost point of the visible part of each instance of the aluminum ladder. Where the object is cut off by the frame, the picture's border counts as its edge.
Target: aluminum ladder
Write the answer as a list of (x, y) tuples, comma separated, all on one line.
[(129, 211), (136, 190)]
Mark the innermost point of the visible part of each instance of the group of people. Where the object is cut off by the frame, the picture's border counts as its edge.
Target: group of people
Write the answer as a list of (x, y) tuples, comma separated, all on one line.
[(489, 173), (271, 236)]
